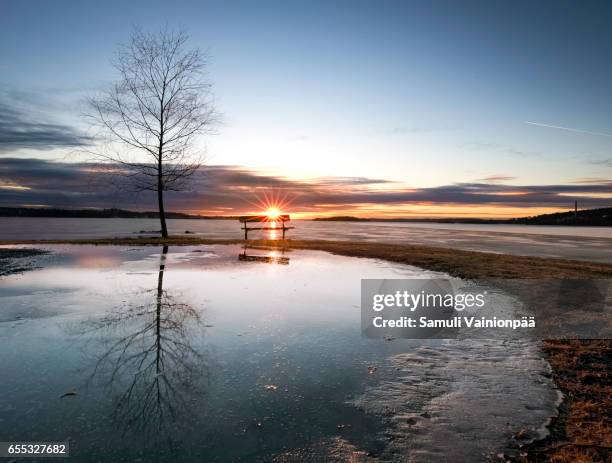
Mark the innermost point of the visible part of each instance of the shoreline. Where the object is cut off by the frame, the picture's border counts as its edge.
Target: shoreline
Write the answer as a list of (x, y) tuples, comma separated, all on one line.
[(580, 369), (456, 262)]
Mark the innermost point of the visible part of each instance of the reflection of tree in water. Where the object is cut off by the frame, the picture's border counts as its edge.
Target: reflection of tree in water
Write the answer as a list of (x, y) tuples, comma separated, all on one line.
[(149, 361)]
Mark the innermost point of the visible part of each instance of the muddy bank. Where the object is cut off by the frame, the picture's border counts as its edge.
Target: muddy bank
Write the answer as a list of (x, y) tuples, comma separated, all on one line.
[(19, 260)]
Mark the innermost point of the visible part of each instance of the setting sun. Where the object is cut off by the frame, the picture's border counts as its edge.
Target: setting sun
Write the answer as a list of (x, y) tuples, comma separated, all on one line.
[(272, 213)]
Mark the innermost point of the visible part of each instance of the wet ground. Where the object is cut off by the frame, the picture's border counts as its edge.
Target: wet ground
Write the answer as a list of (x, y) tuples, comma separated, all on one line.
[(583, 243), (216, 353)]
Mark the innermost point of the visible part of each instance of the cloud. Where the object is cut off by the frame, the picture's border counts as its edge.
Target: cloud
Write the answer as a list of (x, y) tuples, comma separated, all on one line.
[(523, 153), (351, 181), (497, 178), (236, 189), (21, 128), (602, 162), (479, 145), (421, 128), (593, 180), (487, 146)]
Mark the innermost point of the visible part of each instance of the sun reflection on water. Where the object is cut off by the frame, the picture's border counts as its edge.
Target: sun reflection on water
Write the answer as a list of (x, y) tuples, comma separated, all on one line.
[(273, 234)]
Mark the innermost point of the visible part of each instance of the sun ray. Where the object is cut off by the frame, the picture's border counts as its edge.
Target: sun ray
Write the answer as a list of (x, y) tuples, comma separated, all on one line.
[(271, 204)]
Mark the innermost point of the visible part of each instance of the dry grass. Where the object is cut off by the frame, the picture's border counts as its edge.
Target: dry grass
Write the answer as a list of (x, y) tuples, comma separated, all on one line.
[(576, 455), (583, 432)]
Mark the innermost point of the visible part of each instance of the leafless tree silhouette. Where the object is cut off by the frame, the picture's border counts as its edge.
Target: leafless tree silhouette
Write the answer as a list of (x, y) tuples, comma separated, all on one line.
[(149, 362), (154, 112)]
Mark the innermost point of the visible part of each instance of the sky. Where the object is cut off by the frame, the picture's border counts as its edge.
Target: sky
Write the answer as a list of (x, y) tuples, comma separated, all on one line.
[(380, 109)]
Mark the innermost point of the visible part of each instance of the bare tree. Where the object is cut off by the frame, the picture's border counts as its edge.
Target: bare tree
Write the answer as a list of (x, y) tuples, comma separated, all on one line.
[(154, 112)]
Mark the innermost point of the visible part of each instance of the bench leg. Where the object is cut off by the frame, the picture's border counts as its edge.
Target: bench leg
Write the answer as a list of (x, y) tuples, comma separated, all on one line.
[(246, 234), (284, 232)]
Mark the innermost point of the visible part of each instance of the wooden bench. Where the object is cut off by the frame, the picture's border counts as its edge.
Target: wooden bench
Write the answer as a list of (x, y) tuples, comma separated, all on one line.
[(264, 219)]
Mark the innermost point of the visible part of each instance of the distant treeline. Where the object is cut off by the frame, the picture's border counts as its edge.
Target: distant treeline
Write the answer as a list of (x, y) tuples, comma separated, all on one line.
[(98, 214), (587, 217)]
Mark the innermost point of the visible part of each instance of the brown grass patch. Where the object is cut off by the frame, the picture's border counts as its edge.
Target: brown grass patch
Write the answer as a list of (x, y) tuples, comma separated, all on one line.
[(582, 371)]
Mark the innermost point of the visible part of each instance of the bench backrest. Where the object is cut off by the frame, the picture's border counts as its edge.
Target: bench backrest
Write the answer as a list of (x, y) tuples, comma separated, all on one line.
[(264, 218)]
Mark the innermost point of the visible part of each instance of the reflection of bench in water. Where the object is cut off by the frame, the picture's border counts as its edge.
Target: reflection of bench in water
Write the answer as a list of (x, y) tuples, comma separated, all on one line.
[(272, 221), (270, 259)]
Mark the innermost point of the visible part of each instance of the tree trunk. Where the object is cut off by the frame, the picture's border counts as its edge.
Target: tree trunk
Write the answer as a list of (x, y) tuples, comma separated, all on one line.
[(162, 214), (160, 201)]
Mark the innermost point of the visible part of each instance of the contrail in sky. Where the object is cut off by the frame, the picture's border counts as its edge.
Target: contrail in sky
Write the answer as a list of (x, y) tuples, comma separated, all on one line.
[(569, 129)]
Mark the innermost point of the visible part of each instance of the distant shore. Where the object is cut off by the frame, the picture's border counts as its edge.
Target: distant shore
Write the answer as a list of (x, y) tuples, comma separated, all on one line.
[(580, 369), (588, 217), (102, 214)]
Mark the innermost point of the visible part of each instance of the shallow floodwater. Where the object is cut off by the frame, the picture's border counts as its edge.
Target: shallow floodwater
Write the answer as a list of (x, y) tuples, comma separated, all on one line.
[(216, 353)]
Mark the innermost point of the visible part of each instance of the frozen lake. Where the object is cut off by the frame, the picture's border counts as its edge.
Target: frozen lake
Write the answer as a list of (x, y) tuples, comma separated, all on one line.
[(584, 243)]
